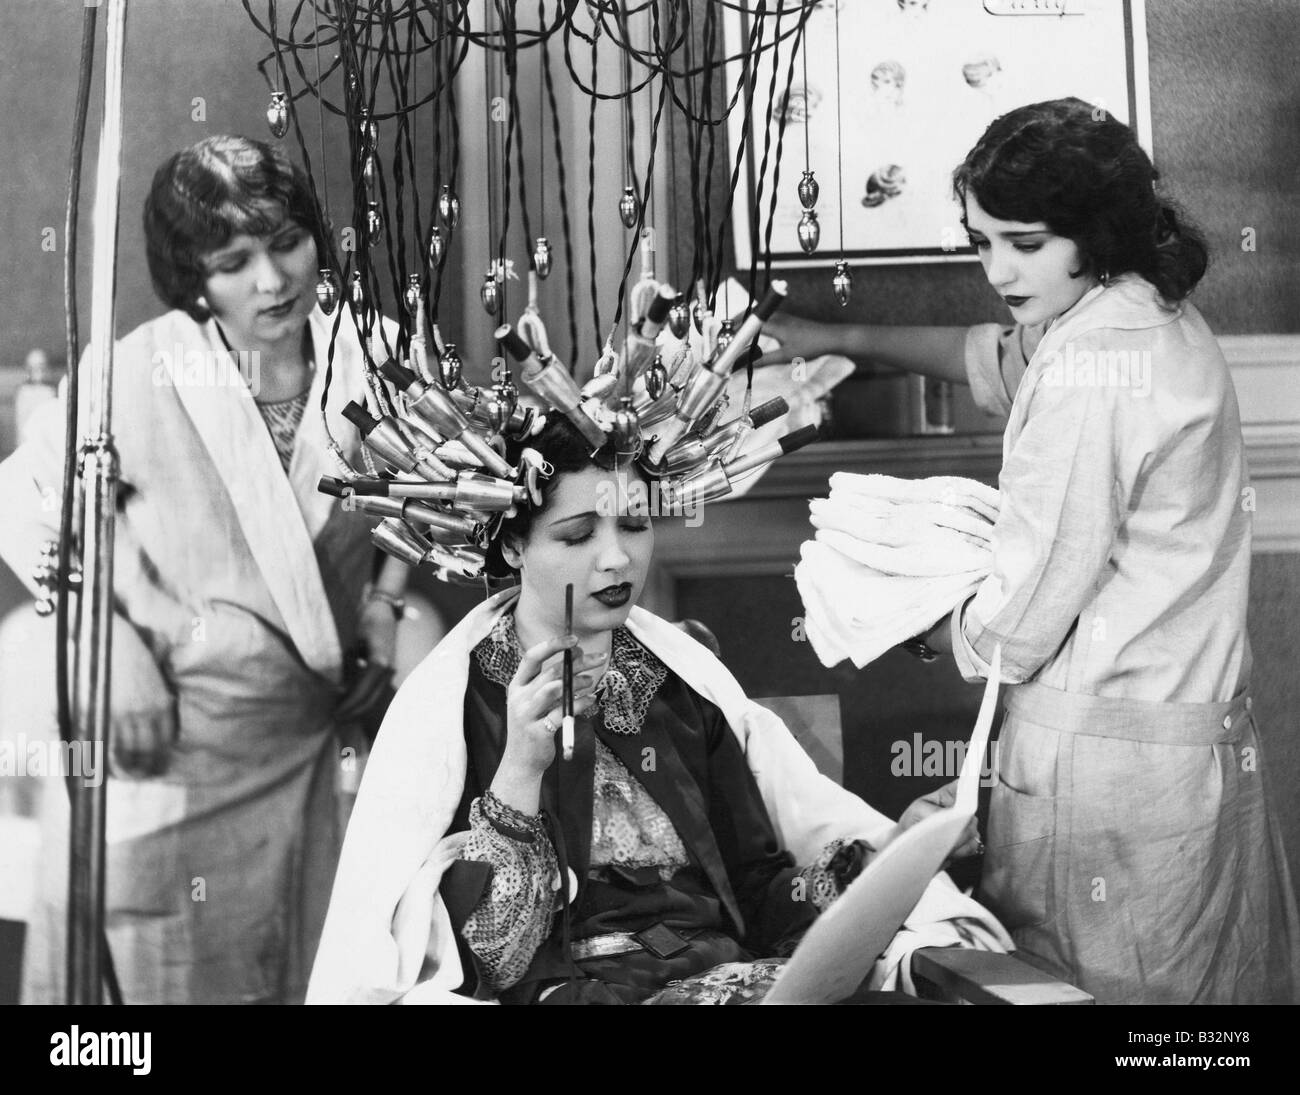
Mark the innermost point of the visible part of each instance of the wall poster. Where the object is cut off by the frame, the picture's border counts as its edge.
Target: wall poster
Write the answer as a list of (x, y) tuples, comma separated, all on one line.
[(919, 80)]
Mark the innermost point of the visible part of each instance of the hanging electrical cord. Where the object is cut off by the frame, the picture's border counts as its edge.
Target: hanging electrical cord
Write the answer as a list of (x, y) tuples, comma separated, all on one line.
[(796, 52), (644, 198), (708, 133), (839, 132), (516, 137), (842, 282), (492, 154), (570, 274), (389, 41), (741, 147), (591, 197), (756, 205)]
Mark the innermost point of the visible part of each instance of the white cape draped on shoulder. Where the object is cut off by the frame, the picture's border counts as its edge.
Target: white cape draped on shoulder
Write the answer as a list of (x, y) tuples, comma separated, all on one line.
[(385, 915)]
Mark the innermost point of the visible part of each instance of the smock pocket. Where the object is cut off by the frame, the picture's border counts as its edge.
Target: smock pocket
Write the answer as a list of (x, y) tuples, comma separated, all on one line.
[(1017, 883)]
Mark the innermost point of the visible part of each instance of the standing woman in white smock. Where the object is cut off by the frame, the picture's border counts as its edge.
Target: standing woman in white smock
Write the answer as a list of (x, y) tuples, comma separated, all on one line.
[(239, 597), (1130, 847)]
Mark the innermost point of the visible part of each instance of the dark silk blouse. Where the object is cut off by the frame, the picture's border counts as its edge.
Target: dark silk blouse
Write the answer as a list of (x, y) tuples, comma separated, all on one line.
[(741, 895)]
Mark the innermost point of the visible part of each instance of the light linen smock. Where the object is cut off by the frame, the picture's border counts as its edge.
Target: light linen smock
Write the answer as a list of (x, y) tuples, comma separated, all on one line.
[(1131, 850), (238, 590)]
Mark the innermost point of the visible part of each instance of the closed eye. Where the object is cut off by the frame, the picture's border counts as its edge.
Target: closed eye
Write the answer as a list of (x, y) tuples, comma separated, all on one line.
[(288, 242), (576, 532), (230, 265)]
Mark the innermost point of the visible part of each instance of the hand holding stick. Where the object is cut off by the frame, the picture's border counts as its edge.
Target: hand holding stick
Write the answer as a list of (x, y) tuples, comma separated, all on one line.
[(566, 725)]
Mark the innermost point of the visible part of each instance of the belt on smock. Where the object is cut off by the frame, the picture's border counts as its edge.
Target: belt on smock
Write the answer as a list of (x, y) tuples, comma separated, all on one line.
[(1154, 722)]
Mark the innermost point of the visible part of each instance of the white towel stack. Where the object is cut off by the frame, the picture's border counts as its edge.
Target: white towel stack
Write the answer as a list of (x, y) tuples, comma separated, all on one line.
[(891, 557)]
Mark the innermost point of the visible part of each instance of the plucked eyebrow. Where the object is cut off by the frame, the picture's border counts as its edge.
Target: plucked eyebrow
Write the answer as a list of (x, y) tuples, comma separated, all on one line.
[(285, 227), (573, 517), (1011, 235)]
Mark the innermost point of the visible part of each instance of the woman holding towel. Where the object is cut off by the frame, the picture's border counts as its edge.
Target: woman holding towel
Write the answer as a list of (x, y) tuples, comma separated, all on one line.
[(1130, 847)]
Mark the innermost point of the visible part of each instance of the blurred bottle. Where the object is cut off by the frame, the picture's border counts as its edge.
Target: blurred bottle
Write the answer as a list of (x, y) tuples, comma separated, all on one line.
[(40, 386), (930, 405)]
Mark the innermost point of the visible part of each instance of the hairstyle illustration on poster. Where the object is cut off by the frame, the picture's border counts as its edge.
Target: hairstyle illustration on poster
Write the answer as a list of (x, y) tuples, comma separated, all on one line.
[(918, 82)]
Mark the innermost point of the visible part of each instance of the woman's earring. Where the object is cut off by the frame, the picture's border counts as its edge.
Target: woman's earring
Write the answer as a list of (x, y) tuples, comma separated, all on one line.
[(1105, 278), (202, 302)]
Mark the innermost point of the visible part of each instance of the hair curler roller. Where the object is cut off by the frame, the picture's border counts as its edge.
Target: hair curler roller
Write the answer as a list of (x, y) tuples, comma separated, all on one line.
[(443, 525), (640, 348), (694, 452), (701, 393), (439, 410), (385, 438), (549, 380), (399, 541), (715, 481)]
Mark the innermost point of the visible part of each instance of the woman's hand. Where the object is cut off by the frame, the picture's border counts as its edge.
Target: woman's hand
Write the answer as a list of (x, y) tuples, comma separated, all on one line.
[(533, 707), (800, 338), (141, 743), (377, 629), (943, 799), (369, 685)]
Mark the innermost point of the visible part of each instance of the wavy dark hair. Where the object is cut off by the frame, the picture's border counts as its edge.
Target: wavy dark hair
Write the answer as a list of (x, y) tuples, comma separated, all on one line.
[(1080, 171), (204, 195), (566, 450)]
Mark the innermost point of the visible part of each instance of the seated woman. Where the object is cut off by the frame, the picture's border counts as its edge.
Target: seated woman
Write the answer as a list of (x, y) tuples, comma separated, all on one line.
[(679, 826)]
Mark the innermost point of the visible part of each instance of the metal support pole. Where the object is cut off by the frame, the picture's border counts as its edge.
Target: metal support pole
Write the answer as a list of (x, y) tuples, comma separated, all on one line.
[(99, 478)]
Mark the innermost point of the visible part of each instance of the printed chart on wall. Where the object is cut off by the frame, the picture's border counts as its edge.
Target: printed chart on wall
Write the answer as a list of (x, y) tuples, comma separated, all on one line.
[(918, 82)]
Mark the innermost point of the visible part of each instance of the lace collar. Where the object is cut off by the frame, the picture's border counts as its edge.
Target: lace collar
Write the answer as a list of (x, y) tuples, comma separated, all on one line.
[(625, 692)]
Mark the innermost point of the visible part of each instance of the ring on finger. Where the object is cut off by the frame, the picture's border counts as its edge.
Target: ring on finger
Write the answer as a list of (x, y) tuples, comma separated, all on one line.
[(549, 724)]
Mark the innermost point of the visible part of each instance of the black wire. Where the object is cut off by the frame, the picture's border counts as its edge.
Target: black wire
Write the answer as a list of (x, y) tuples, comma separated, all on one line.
[(839, 130), (463, 31), (541, 132), (694, 140), (776, 170), (390, 252), (517, 130), (505, 12), (438, 78), (742, 145), (453, 172), (491, 157), (330, 258), (399, 77), (368, 34), (629, 119), (776, 167), (569, 270), (591, 201), (707, 178), (755, 209), (645, 197)]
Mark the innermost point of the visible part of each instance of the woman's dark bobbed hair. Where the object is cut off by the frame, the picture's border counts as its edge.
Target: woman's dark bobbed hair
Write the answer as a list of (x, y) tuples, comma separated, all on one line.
[(1082, 172), (561, 445), (204, 195)]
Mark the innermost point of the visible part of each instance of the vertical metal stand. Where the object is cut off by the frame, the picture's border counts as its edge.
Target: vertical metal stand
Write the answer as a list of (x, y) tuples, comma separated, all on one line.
[(99, 478)]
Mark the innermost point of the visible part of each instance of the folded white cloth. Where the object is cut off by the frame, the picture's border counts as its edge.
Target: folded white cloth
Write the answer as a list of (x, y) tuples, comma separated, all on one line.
[(948, 490), (891, 557), (903, 545)]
